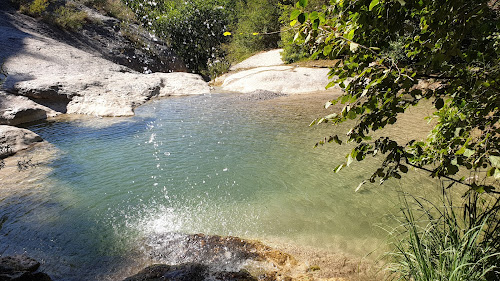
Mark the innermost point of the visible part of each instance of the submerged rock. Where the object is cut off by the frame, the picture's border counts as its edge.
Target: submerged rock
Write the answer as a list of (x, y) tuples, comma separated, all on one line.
[(188, 272), (218, 251), (21, 268), (14, 139), (214, 258)]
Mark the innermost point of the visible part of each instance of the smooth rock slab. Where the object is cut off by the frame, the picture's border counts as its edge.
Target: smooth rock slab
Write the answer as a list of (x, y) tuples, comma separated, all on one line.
[(14, 139), (268, 58), (69, 80), (280, 79), (110, 94)]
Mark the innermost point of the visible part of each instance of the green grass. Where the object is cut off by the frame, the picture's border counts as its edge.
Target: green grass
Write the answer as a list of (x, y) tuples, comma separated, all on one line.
[(435, 243)]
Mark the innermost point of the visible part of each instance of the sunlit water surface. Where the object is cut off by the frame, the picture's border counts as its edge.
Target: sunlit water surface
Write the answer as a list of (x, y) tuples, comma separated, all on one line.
[(214, 164)]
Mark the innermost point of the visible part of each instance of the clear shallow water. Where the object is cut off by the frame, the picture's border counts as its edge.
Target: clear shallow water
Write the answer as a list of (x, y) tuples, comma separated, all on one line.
[(213, 164)]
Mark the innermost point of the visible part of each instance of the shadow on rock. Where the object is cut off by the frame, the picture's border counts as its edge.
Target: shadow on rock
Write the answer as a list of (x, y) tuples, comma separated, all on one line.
[(21, 268)]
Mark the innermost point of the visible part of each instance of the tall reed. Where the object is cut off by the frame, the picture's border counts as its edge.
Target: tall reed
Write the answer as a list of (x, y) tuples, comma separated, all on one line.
[(437, 242)]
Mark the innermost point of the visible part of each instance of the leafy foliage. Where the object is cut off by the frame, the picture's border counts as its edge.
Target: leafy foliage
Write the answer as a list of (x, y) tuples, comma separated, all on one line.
[(257, 28), (386, 50), (194, 28)]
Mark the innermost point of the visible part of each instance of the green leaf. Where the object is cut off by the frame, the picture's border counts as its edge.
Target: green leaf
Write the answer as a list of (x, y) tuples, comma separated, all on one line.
[(373, 4), (302, 3), (491, 172), (294, 14), (495, 161), (468, 153), (460, 151), (352, 115), (313, 15), (350, 35), (315, 24), (339, 167), (327, 50)]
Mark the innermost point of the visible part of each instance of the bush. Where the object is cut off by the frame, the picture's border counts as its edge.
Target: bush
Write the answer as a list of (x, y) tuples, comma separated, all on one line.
[(195, 30), (114, 8), (68, 17), (35, 8)]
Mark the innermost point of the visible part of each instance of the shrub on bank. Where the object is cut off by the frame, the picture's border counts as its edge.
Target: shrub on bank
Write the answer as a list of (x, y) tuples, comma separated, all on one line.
[(69, 17)]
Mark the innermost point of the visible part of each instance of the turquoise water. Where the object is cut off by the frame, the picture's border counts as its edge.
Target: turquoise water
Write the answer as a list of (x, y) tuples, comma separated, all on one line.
[(214, 164)]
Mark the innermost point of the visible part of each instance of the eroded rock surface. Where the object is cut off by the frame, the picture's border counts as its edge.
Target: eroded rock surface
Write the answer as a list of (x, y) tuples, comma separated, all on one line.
[(214, 258), (13, 139)]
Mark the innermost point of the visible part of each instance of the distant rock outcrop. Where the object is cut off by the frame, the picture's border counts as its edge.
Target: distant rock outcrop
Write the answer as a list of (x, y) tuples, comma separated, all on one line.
[(280, 79)]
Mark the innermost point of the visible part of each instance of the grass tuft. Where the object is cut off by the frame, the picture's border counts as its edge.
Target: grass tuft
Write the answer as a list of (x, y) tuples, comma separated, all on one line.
[(435, 243)]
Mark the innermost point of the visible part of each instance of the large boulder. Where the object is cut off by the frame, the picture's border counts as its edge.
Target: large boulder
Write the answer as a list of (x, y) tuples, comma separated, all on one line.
[(13, 139), (110, 94), (199, 257)]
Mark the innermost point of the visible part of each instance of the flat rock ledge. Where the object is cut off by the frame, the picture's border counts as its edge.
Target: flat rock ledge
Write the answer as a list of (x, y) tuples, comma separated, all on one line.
[(21, 268), (15, 110), (110, 94), (13, 140)]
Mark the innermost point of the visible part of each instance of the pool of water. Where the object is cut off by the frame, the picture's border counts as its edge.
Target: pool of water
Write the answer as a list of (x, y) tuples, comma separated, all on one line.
[(215, 164)]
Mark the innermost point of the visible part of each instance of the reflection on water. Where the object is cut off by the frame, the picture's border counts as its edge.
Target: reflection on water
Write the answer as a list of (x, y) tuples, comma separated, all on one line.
[(214, 164)]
